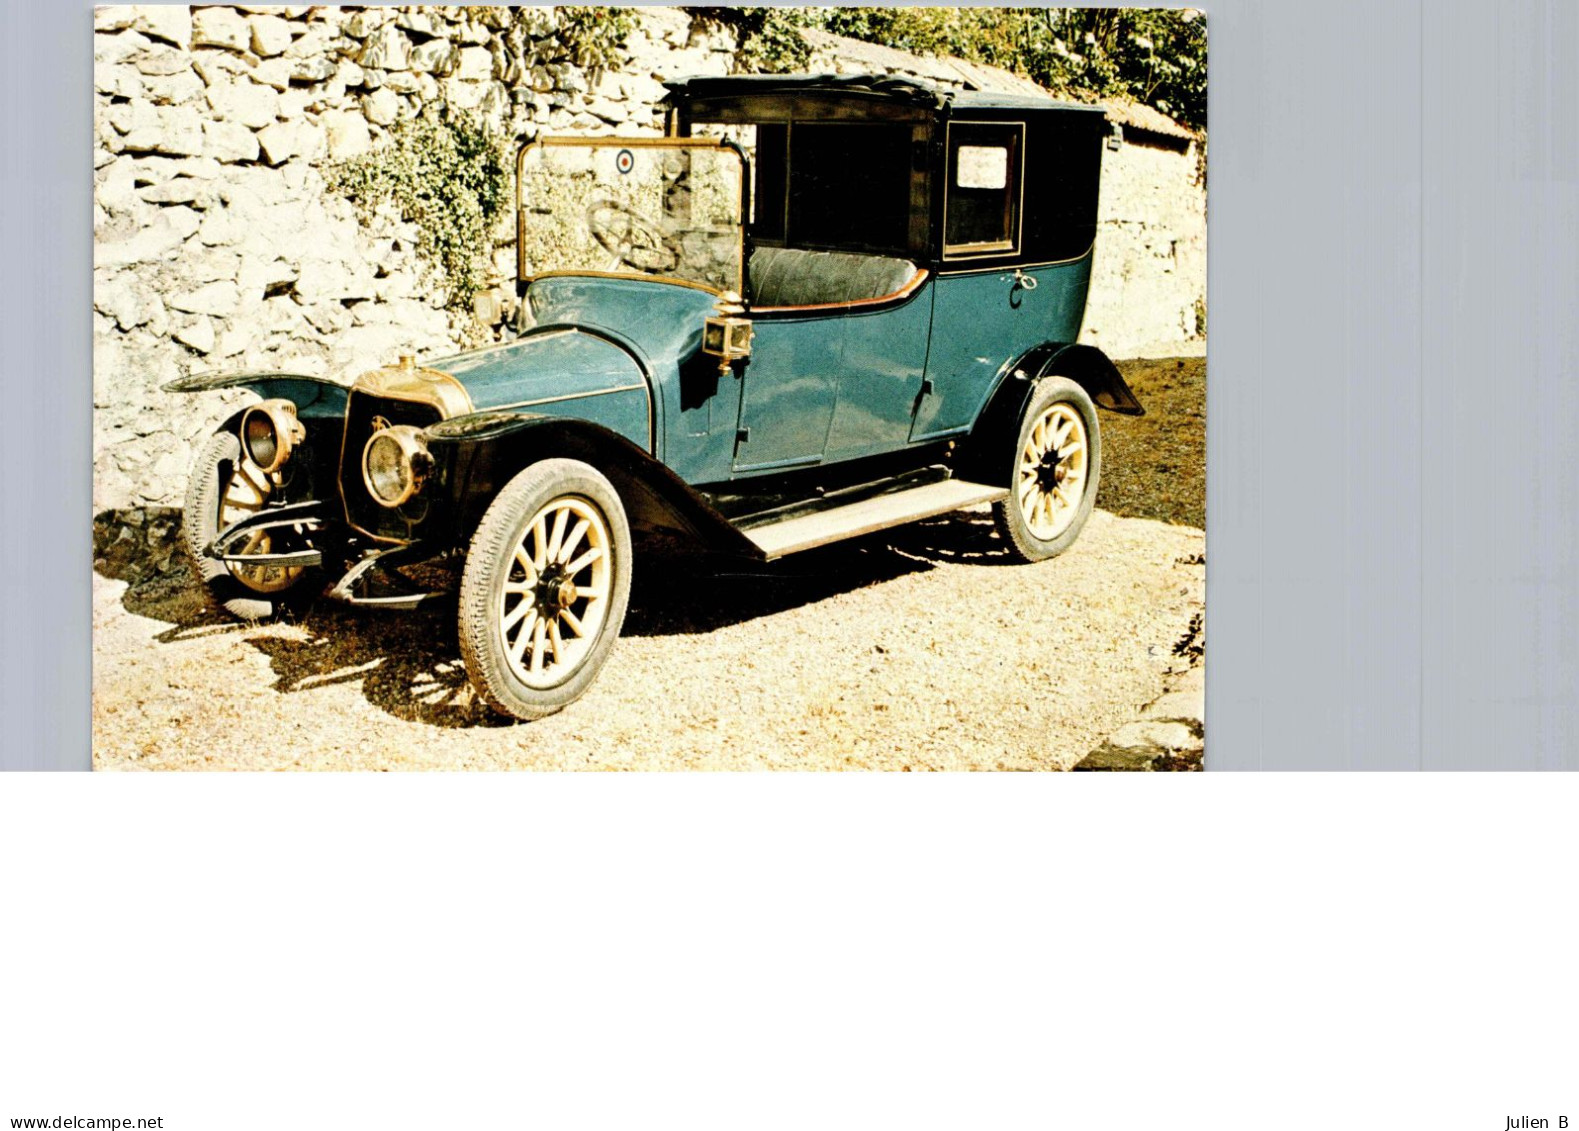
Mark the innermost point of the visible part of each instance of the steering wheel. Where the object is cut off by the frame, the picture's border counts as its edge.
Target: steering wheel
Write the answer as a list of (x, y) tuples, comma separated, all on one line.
[(630, 237)]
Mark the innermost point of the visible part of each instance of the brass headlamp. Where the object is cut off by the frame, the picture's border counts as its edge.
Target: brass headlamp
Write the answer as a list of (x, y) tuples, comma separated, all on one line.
[(269, 432), (394, 464)]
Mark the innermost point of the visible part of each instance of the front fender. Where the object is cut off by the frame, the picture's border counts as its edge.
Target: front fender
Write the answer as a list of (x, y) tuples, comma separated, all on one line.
[(481, 452), (325, 398)]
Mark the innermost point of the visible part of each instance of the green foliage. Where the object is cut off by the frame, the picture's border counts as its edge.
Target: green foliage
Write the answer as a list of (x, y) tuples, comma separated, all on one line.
[(446, 174), (770, 38), (594, 38), (1154, 55)]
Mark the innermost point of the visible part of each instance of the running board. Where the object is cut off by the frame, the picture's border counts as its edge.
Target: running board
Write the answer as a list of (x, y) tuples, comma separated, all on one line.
[(812, 530)]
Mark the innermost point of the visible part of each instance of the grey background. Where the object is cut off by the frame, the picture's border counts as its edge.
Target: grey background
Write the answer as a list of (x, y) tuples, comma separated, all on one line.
[(1393, 511)]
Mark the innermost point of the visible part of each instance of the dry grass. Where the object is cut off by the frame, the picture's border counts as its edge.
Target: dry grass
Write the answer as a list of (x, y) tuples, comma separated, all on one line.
[(1154, 466)]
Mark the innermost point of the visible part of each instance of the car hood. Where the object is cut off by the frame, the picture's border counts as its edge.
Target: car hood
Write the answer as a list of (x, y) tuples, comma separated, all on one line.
[(594, 335), (545, 365)]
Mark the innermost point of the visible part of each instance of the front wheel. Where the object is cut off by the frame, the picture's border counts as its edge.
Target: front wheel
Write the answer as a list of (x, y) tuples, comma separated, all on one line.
[(225, 488), (545, 587), (1057, 463)]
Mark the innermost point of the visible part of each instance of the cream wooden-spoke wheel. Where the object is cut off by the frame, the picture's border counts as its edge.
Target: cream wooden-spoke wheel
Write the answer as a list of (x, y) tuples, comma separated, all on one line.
[(554, 594), (245, 495), (1050, 478)]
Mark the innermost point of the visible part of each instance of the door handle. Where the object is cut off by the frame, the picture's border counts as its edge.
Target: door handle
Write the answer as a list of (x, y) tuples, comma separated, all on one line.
[(1021, 279)]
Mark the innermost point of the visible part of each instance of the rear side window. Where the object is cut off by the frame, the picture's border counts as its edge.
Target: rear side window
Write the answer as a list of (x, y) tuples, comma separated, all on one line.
[(982, 208)]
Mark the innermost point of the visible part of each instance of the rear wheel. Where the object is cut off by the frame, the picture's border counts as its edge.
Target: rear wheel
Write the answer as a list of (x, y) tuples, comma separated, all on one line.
[(1057, 464), (545, 588), (226, 487)]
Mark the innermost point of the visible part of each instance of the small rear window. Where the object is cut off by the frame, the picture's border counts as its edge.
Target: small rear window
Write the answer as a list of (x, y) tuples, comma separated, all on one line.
[(982, 212)]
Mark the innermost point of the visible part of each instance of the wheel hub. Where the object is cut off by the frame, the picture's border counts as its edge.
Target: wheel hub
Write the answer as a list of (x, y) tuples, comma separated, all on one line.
[(555, 593), (1050, 473)]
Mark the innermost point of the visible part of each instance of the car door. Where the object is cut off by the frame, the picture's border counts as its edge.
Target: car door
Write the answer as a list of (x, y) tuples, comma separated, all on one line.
[(789, 386), (880, 377)]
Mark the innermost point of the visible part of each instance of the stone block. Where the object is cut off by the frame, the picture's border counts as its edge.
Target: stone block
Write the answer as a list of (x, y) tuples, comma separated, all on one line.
[(366, 21), (120, 80), (169, 22), (464, 95), (423, 23), (476, 64), (220, 27), (184, 220), (218, 228), (386, 48), (182, 190), (127, 117), (175, 89), (293, 103), (1145, 733), (402, 82), (209, 264), (215, 298), (162, 61), (113, 17), (199, 335), (121, 299), (435, 57), (274, 72), (110, 48), (244, 102), (270, 35), (229, 141), (278, 142), (347, 134), (179, 133), (382, 107), (314, 68)]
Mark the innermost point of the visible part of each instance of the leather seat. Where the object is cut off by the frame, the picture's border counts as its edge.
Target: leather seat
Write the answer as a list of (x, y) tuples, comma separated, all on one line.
[(786, 276)]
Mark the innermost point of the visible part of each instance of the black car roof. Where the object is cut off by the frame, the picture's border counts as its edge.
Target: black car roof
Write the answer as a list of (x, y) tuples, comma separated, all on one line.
[(913, 91)]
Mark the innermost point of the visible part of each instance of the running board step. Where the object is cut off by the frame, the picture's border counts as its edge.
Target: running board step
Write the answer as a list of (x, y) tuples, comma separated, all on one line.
[(812, 530)]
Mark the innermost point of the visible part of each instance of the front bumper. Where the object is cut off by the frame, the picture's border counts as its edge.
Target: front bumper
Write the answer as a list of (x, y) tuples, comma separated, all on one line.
[(374, 581), (295, 519)]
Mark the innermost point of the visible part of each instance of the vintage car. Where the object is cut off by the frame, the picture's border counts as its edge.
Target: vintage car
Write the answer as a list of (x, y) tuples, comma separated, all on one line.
[(819, 306)]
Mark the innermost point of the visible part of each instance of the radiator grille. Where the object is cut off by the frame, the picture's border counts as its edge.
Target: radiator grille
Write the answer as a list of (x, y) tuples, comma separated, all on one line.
[(364, 512)]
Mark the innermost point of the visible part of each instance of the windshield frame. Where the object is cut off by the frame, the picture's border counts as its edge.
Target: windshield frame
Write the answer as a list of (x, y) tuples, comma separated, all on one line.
[(607, 141)]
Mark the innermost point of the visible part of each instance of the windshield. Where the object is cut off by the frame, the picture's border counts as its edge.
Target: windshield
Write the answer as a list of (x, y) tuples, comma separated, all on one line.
[(669, 207)]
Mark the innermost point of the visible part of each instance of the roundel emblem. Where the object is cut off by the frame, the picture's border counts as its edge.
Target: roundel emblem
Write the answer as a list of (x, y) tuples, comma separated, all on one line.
[(624, 161)]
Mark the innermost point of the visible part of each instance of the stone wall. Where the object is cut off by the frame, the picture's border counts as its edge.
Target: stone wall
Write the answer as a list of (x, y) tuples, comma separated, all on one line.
[(1148, 282), (218, 247)]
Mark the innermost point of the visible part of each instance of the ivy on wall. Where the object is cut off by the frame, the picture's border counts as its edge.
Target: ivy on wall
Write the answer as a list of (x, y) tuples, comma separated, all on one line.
[(448, 175)]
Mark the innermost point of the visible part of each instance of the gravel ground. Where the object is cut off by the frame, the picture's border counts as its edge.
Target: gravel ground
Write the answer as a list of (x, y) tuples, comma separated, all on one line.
[(921, 648)]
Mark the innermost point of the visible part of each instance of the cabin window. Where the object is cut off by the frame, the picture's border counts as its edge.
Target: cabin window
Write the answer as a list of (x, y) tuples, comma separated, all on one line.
[(771, 164), (982, 208), (849, 186)]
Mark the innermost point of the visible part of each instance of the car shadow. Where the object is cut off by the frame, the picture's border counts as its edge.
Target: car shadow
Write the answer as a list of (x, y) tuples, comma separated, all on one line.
[(409, 665)]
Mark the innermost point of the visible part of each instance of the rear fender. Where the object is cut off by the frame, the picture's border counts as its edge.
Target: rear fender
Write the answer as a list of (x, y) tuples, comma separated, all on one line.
[(985, 457), (481, 452), (1086, 366)]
